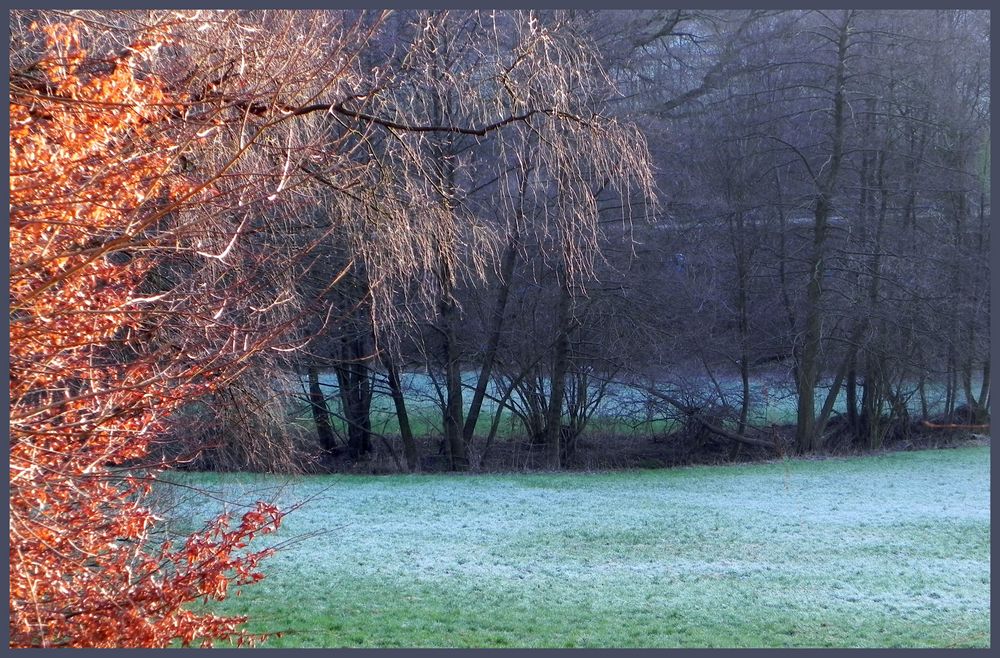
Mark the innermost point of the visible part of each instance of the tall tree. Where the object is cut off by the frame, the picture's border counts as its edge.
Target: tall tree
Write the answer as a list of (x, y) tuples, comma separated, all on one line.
[(91, 176)]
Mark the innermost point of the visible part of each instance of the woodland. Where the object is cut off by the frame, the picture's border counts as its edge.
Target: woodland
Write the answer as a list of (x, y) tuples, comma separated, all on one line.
[(371, 242)]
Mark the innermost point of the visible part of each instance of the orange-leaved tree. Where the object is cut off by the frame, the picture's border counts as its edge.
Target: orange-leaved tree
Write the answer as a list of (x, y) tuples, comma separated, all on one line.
[(92, 174)]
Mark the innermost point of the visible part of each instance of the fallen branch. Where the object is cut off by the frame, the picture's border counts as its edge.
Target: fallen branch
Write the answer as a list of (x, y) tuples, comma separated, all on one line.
[(733, 436), (693, 412), (954, 426)]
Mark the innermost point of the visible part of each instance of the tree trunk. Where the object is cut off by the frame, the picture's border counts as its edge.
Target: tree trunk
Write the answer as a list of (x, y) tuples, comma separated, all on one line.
[(786, 300), (808, 362), (458, 457), (863, 321), (742, 304), (922, 390), (808, 368), (983, 403), (873, 395), (870, 424), (851, 393), (744, 336), (493, 342), (399, 401), (951, 386), (320, 413), (355, 393), (984, 392), (838, 382), (956, 361), (560, 368)]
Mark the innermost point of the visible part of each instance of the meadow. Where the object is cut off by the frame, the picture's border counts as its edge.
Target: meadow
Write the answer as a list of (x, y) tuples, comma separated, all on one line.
[(877, 551)]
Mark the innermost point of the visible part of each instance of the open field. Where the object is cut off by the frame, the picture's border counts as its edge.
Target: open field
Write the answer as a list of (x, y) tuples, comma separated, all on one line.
[(883, 551)]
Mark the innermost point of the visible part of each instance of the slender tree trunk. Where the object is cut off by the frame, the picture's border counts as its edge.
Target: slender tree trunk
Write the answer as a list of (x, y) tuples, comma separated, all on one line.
[(977, 407), (745, 405), (863, 302), (876, 377), (494, 426), (966, 375), (363, 377), (493, 342), (984, 393), (851, 393), (874, 393), (838, 382), (870, 408), (806, 438), (984, 389), (443, 151), (808, 362), (786, 299), (453, 411), (742, 303), (951, 387), (560, 368), (399, 401), (743, 325), (983, 404), (355, 394), (320, 413), (922, 390)]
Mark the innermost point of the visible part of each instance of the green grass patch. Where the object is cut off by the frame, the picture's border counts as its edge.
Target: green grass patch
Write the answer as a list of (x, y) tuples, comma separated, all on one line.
[(886, 551)]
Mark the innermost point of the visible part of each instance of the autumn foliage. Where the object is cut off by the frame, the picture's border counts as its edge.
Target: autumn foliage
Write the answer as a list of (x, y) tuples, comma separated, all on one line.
[(92, 162)]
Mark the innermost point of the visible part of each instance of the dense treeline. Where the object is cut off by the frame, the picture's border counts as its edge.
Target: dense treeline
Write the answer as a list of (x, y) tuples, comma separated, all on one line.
[(557, 203), (650, 199), (823, 211)]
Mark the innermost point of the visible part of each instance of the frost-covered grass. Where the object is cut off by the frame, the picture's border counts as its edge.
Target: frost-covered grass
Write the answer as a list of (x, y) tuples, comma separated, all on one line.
[(885, 551)]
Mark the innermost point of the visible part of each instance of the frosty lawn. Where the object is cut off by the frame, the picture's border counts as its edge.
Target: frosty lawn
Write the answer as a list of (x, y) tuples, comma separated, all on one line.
[(877, 551)]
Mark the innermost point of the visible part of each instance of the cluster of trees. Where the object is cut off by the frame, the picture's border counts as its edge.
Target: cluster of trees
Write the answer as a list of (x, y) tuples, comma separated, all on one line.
[(823, 207), (841, 178), (196, 196), (205, 205)]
